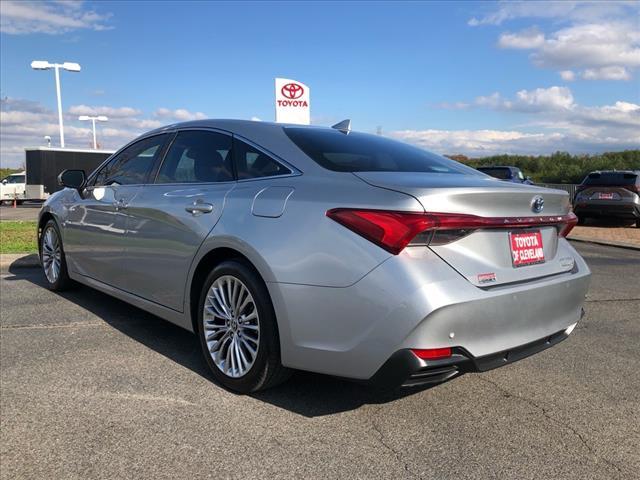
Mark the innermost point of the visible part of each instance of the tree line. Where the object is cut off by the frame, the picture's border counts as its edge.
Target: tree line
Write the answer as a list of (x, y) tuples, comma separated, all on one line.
[(559, 167)]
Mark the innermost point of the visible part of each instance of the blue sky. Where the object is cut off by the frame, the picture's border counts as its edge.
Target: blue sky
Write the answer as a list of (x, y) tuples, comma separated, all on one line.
[(468, 77)]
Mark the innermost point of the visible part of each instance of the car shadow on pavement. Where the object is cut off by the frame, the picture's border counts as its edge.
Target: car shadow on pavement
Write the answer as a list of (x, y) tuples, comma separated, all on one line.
[(307, 394)]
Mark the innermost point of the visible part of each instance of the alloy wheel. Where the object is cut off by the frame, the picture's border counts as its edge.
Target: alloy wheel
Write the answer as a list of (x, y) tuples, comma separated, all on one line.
[(51, 254), (231, 326)]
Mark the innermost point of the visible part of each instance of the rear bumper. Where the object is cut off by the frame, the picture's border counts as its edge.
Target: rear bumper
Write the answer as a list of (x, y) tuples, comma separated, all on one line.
[(415, 300), (404, 369), (622, 210)]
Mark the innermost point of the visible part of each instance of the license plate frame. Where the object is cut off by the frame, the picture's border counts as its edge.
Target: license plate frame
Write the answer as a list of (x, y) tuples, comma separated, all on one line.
[(526, 248), (606, 196)]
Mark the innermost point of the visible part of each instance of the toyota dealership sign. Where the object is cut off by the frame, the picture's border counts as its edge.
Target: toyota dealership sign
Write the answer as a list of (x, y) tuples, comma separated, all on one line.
[(293, 103)]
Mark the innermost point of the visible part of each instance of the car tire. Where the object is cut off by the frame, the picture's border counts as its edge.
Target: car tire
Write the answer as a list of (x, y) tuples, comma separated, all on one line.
[(240, 343), (52, 258)]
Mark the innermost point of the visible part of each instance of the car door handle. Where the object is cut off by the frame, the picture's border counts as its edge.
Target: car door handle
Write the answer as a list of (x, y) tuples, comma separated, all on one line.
[(198, 208)]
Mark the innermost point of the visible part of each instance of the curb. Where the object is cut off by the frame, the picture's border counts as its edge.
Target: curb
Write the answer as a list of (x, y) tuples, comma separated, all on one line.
[(19, 260), (608, 243)]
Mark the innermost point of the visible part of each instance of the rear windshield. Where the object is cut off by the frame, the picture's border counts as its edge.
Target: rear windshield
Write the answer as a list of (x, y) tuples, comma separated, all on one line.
[(497, 172), (610, 178), (361, 152)]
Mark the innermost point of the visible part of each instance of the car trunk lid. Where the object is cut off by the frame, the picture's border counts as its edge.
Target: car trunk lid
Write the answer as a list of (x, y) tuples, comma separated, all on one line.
[(506, 223)]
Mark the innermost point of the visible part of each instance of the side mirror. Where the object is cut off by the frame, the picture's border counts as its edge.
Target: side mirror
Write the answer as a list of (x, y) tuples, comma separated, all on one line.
[(72, 179), (4, 181)]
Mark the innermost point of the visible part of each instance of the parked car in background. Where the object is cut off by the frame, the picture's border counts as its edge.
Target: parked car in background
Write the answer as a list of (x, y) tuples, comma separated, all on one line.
[(609, 193), (301, 247), (508, 174), (13, 187)]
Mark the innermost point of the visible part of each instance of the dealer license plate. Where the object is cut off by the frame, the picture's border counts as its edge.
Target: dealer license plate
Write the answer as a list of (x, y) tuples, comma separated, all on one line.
[(526, 248)]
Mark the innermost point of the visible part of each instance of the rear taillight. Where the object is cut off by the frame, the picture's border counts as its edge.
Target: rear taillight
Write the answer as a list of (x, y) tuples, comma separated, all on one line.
[(393, 231), (390, 230), (565, 227)]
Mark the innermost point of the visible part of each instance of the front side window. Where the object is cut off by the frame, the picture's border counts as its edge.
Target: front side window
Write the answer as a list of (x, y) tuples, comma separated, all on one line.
[(252, 163), (361, 152), (197, 156), (132, 165)]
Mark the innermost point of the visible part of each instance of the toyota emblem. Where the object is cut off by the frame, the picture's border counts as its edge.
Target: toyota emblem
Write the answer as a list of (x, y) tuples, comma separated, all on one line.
[(292, 91), (537, 204)]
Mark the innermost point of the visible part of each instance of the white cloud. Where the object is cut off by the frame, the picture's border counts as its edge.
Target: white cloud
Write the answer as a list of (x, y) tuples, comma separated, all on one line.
[(553, 121), (25, 17), (599, 39), (479, 142), (556, 10), (111, 112), (256, 119), (606, 73), (180, 115), (539, 99), (526, 39), (591, 45), (568, 75), (551, 98), (494, 100), (24, 123)]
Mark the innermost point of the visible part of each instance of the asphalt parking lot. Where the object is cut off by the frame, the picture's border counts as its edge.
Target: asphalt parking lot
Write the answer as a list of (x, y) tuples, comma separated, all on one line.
[(94, 388)]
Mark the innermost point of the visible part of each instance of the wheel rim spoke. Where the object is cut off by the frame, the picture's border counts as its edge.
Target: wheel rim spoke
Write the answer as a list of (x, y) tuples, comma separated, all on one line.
[(231, 326), (51, 254)]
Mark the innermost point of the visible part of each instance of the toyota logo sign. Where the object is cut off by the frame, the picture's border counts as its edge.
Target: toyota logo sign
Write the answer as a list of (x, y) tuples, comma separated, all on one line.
[(292, 101), (292, 91)]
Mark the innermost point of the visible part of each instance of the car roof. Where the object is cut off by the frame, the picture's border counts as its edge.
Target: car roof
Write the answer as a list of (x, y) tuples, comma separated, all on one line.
[(232, 125)]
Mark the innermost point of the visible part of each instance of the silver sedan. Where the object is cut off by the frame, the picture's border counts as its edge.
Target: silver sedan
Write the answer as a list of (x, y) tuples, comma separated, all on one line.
[(322, 249)]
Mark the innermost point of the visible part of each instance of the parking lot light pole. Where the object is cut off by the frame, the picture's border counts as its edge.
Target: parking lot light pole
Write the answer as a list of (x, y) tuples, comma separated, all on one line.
[(68, 66), (99, 118)]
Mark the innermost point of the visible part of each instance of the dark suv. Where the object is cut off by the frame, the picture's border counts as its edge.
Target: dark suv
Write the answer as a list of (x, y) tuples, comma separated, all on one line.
[(508, 174), (609, 193)]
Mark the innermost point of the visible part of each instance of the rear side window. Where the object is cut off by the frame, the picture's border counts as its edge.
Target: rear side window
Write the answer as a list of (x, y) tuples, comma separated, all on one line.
[(252, 163), (132, 165), (611, 178), (197, 157), (361, 152)]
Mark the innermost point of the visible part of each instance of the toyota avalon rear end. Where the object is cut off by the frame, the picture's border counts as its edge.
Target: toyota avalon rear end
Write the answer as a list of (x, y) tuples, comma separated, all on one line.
[(478, 275)]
